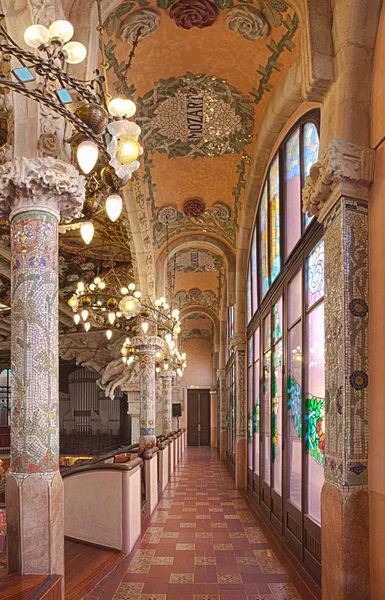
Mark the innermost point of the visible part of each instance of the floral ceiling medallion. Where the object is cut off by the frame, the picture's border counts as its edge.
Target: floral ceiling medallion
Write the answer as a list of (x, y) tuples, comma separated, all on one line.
[(195, 116), (146, 20), (194, 13), (248, 22), (195, 207)]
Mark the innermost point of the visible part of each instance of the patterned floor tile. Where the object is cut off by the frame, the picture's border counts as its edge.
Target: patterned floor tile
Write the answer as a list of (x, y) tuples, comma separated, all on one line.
[(223, 546), (229, 578), (185, 547), (162, 560), (206, 597), (237, 534), (187, 525), (219, 525), (259, 597), (246, 560), (204, 560), (128, 591), (170, 534), (182, 578), (268, 562), (284, 591), (203, 534)]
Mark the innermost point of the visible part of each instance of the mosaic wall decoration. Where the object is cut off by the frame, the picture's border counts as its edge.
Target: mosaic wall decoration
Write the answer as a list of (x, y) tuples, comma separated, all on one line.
[(195, 115), (193, 334), (219, 219), (346, 336), (194, 13), (5, 291), (194, 316), (34, 399), (194, 261), (196, 296)]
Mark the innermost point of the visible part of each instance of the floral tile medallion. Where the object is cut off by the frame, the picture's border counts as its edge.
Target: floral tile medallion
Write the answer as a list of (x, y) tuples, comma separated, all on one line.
[(268, 562), (223, 546), (204, 560), (284, 591), (203, 534), (182, 578), (229, 578), (185, 547)]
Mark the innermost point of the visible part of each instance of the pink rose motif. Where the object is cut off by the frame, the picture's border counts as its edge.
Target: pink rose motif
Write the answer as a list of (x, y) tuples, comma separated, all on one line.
[(194, 13)]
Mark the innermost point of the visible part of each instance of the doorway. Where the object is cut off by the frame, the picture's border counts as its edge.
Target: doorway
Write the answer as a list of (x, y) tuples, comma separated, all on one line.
[(198, 417)]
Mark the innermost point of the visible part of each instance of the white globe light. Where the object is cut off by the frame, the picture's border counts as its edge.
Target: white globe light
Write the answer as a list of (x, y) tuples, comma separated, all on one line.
[(116, 107), (36, 35), (114, 205), (131, 286), (61, 30), (76, 52), (84, 314), (87, 155), (145, 327), (109, 334), (111, 317), (129, 108), (168, 337), (77, 319), (87, 326), (87, 231)]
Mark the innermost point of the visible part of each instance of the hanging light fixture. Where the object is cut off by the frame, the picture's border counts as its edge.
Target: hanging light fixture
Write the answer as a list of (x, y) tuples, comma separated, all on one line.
[(87, 155), (114, 204), (109, 334), (87, 231), (61, 31)]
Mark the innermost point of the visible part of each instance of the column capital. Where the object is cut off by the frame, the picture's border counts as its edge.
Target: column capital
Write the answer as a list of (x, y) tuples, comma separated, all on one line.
[(345, 169), (238, 341), (41, 184), (167, 374), (147, 344), (221, 373)]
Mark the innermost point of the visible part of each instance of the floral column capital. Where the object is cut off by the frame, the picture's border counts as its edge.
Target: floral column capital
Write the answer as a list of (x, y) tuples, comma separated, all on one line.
[(238, 341), (44, 184), (147, 344)]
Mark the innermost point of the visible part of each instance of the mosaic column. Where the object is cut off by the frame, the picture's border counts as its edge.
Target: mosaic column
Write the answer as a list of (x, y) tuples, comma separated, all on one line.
[(238, 344), (133, 409), (167, 378), (145, 348), (337, 192), (176, 399), (35, 194), (221, 387)]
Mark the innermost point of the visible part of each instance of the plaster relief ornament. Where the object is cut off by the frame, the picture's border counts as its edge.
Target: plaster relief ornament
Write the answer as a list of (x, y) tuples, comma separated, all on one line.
[(248, 22), (194, 13), (167, 214), (195, 207), (221, 212), (124, 148), (145, 19)]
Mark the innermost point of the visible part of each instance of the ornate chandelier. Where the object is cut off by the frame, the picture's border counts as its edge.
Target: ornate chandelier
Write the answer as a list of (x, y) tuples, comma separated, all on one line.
[(104, 142)]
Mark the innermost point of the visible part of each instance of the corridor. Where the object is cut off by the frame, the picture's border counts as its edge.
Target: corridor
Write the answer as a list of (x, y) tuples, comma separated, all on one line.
[(204, 543)]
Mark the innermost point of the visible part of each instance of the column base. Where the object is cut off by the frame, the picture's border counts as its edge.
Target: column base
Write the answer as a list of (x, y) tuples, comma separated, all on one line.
[(345, 545), (222, 445), (35, 525), (241, 463)]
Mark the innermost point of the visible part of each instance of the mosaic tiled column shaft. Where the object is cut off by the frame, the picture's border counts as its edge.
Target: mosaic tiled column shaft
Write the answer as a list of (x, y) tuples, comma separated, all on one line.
[(146, 347), (35, 193), (167, 378), (221, 387), (238, 343), (337, 193)]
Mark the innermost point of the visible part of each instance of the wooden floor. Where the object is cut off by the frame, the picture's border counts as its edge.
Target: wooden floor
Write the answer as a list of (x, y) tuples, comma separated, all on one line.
[(84, 567)]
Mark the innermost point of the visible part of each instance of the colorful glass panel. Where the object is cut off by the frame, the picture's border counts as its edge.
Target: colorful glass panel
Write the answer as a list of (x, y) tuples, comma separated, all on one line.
[(277, 320), (248, 295), (254, 273), (263, 231), (256, 406), (292, 192), (310, 153), (274, 233), (294, 308), (276, 424), (315, 275), (294, 405), (266, 398)]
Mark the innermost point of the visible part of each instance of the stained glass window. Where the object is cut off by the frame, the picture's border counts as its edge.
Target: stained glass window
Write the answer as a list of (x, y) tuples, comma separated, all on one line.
[(254, 272), (250, 400), (248, 295), (315, 279), (263, 231), (292, 191), (274, 233), (310, 153), (266, 397), (256, 407)]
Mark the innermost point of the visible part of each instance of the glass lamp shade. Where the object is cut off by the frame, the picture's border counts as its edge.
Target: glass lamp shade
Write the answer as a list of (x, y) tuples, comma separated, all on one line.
[(87, 231), (36, 36), (73, 302), (120, 107), (114, 205), (61, 30), (168, 338), (76, 52), (144, 327), (87, 326), (128, 150), (129, 306), (77, 319), (177, 329), (87, 155), (109, 334), (111, 317), (180, 372)]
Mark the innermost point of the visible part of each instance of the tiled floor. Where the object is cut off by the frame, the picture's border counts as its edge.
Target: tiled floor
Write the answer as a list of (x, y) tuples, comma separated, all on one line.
[(203, 543)]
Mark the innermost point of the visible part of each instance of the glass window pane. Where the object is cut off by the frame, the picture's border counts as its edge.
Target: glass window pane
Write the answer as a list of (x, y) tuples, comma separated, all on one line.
[(315, 281), (266, 399), (294, 309), (248, 295), (315, 409), (263, 232), (274, 237), (254, 272), (310, 153), (277, 417), (277, 320), (294, 405), (293, 207), (256, 407), (250, 394)]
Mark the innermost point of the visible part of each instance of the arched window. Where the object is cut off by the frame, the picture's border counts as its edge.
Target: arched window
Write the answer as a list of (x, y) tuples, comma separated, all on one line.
[(285, 357)]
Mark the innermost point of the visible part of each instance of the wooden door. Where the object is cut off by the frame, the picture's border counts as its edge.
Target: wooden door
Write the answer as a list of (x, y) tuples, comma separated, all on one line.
[(198, 417)]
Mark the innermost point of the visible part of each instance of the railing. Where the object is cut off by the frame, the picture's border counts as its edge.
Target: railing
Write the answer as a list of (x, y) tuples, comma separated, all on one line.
[(104, 454), (87, 442)]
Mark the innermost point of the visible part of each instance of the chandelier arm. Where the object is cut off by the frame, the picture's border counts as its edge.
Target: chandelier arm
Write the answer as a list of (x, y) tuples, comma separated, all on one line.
[(38, 96)]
